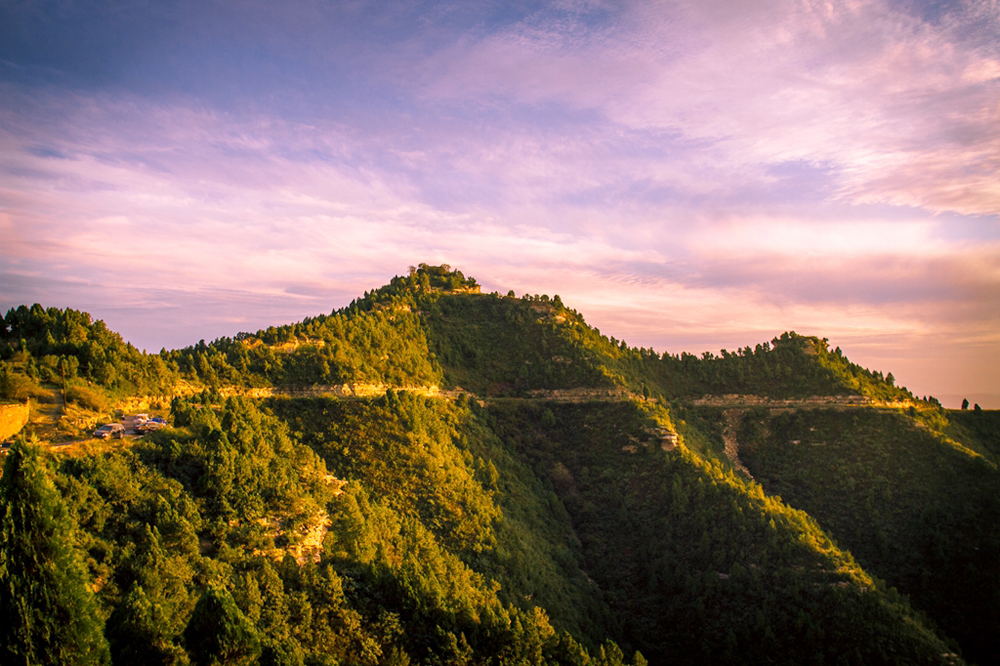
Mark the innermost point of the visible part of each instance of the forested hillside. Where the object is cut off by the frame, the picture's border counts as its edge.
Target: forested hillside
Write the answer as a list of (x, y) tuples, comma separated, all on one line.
[(562, 499), (915, 507), (68, 347)]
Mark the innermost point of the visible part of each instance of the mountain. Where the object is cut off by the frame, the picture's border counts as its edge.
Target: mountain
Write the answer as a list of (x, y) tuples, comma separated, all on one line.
[(437, 475)]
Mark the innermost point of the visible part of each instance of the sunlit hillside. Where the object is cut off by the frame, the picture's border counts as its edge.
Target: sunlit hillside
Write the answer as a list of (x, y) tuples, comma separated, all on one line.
[(437, 475)]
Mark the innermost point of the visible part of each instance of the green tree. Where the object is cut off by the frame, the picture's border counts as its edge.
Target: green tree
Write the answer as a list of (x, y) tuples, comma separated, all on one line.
[(14, 385), (134, 631), (48, 614), (219, 633)]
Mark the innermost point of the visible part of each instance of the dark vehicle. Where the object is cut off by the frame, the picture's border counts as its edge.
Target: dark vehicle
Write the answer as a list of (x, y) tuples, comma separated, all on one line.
[(116, 430)]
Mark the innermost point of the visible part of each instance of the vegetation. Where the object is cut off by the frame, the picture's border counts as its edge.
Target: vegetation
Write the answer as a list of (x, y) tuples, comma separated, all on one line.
[(190, 536), (569, 505), (47, 611), (67, 347), (697, 565), (790, 366), (915, 507), (979, 430), (352, 346)]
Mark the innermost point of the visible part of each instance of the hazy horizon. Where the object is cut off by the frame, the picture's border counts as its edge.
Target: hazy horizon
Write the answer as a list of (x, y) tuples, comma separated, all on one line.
[(690, 176)]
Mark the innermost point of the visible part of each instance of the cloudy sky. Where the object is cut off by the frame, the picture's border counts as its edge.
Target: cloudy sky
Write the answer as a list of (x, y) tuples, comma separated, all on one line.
[(689, 174)]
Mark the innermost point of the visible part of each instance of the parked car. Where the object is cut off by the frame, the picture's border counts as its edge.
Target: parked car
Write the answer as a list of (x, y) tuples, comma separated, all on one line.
[(140, 419), (152, 424), (116, 430)]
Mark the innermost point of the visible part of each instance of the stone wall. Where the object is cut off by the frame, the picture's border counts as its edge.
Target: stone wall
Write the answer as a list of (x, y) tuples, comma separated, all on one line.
[(13, 418), (581, 394), (816, 401)]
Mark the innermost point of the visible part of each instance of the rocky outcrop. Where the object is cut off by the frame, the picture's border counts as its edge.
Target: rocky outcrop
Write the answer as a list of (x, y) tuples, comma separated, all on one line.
[(329, 390), (732, 445)]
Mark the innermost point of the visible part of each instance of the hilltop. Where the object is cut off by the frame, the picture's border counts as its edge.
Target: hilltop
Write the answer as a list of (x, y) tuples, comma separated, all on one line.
[(434, 474), (432, 328)]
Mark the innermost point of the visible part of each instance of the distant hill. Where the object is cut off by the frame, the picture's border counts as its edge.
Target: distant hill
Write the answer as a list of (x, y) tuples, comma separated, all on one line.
[(437, 475)]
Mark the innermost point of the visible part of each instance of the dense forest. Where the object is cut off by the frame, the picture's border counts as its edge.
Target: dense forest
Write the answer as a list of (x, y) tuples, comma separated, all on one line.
[(565, 498)]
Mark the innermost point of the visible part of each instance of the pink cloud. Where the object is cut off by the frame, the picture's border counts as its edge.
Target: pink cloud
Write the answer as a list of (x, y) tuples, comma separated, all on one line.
[(905, 109)]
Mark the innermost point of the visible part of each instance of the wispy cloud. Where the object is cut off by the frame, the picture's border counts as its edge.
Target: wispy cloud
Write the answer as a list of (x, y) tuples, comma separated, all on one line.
[(905, 111)]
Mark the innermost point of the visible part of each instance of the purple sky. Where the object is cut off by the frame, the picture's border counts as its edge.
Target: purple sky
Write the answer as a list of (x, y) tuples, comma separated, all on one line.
[(690, 175)]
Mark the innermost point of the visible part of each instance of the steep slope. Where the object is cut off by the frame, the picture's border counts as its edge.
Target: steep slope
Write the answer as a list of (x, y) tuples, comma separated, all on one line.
[(213, 505), (978, 430), (697, 565), (915, 507), (440, 461)]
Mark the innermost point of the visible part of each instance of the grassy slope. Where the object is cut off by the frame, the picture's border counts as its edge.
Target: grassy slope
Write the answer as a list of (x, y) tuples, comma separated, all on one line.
[(502, 346), (980, 431)]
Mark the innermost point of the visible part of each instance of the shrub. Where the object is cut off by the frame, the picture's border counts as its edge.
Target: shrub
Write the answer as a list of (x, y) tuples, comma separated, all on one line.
[(14, 385), (87, 397)]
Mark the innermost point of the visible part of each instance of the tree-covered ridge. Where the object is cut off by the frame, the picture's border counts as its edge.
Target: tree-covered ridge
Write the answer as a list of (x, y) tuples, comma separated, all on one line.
[(501, 345), (377, 339), (352, 346), (68, 347), (788, 366), (432, 327), (422, 284)]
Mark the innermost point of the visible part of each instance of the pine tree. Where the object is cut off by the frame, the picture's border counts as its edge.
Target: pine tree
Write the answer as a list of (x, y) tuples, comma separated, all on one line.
[(48, 614), (219, 633), (135, 632)]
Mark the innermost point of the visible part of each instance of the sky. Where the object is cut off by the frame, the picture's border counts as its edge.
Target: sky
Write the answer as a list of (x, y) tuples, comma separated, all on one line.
[(690, 175)]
